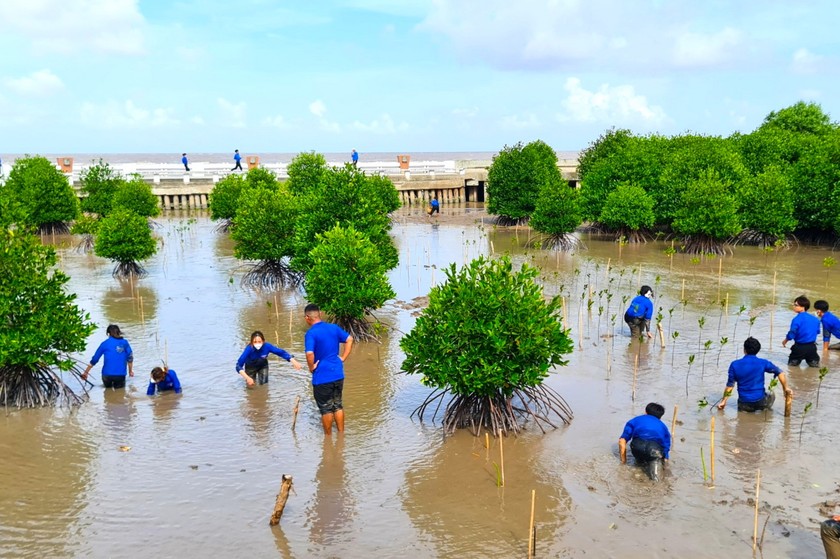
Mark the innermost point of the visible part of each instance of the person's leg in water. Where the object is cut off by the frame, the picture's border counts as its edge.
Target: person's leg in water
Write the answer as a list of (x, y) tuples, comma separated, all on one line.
[(830, 535), (650, 456), (327, 421)]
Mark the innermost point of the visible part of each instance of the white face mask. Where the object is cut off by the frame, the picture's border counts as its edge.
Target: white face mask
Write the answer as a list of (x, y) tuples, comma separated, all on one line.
[(649, 294), (257, 345)]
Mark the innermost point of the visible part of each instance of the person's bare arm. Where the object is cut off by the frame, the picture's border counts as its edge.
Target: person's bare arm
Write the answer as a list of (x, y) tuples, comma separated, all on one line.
[(622, 450), (348, 346)]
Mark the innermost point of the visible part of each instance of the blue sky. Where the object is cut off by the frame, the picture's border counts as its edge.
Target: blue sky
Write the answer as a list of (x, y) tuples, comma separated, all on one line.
[(109, 76)]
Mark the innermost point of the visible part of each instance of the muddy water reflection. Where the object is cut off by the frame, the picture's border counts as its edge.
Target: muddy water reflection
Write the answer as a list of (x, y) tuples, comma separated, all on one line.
[(203, 468)]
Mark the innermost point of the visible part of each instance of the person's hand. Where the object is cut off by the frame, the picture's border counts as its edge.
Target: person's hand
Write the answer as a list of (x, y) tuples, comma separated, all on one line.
[(649, 335), (131, 373), (784, 342), (249, 381), (296, 364), (84, 375), (836, 518), (315, 366), (722, 405), (789, 393)]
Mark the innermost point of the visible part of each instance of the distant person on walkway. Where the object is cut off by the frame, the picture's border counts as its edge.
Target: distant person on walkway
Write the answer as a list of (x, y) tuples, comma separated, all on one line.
[(830, 324), (185, 161), (322, 342), (118, 358), (830, 534), (640, 312), (650, 441), (253, 363), (163, 379), (748, 373), (355, 157), (237, 160), (804, 329), (434, 206)]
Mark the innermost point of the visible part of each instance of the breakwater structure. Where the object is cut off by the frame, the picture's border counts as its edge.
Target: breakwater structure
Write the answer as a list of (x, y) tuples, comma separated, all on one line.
[(452, 181)]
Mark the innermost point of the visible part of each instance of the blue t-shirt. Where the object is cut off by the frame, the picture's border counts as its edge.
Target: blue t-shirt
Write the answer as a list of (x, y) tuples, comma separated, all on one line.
[(236, 157), (117, 355), (184, 160), (640, 307), (355, 157), (324, 339), (748, 373), (830, 325), (648, 428), (435, 203), (256, 358), (169, 382), (804, 328)]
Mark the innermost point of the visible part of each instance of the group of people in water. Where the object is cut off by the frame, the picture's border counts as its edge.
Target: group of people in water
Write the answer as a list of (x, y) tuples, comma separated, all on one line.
[(648, 436), (322, 343)]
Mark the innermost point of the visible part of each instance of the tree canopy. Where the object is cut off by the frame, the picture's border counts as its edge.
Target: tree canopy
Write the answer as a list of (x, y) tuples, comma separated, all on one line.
[(516, 177), (125, 238), (38, 195), (99, 184)]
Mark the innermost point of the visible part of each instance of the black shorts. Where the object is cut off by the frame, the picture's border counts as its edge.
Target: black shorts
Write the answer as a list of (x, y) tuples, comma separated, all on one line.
[(763, 404), (649, 455), (435, 210), (113, 381), (808, 352), (328, 396), (259, 375)]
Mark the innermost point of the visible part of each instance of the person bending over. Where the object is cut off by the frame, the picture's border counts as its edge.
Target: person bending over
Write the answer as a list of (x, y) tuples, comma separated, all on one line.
[(748, 373), (650, 441)]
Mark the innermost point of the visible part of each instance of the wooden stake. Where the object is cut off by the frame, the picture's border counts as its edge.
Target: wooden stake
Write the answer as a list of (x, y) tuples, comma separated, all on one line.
[(486, 439), (788, 404), (531, 539), (682, 297), (295, 412), (755, 520), (565, 322), (276, 310), (726, 305), (282, 497), (661, 334), (720, 276), (580, 326), (774, 287), (290, 322), (673, 426), (712, 450), (502, 457), (635, 372), (142, 315), (492, 248), (607, 273)]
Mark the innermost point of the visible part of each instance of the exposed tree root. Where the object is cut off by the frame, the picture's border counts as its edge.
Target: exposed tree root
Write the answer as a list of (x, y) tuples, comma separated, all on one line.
[(126, 269), (631, 235), (56, 228), (762, 240), (564, 242), (507, 221), (39, 386), (224, 226), (272, 274), (498, 413), (361, 330), (86, 244), (700, 244)]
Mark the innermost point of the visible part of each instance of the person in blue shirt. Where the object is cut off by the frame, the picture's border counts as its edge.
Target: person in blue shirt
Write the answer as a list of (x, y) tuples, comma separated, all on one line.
[(639, 313), (237, 160), (650, 440), (322, 343), (185, 161), (804, 329), (118, 358), (830, 535), (355, 157), (163, 379), (434, 206), (830, 324), (748, 373), (253, 363)]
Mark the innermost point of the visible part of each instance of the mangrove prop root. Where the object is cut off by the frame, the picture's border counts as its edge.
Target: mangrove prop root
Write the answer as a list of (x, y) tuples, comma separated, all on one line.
[(507, 221), (698, 244), (497, 413), (128, 269), (38, 387), (282, 497), (271, 275), (563, 242), (360, 329)]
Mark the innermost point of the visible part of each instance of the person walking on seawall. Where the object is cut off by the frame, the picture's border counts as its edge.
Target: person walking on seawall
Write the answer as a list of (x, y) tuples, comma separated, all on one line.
[(237, 160), (804, 329), (830, 535), (163, 379), (650, 440), (748, 373), (640, 312), (322, 342), (185, 161), (355, 158), (830, 324), (253, 363), (118, 358)]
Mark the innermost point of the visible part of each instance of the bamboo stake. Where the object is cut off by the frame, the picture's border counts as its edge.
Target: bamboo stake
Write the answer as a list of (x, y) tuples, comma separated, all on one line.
[(682, 297), (142, 316), (673, 426), (282, 497), (755, 521), (720, 276), (565, 322), (726, 305), (609, 362), (712, 451), (295, 412), (635, 372), (487, 446), (774, 286), (607, 272), (661, 335), (788, 404), (531, 539), (290, 321), (492, 248), (502, 457), (580, 326), (276, 310)]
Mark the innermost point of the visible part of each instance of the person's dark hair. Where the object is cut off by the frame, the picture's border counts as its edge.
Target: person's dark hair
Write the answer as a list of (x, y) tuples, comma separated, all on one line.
[(645, 290), (752, 346), (114, 331), (257, 334), (236, 151), (311, 308), (821, 305), (654, 409), (158, 374), (803, 302), (183, 154)]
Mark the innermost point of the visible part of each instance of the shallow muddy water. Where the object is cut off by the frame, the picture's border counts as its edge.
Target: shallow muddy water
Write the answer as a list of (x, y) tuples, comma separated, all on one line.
[(203, 469)]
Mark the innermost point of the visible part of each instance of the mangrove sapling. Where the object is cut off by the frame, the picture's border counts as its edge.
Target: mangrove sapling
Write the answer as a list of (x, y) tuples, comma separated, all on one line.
[(700, 323), (723, 342), (674, 335), (741, 310), (706, 347), (752, 321), (496, 337), (688, 373), (823, 372), (802, 423), (703, 462), (828, 263)]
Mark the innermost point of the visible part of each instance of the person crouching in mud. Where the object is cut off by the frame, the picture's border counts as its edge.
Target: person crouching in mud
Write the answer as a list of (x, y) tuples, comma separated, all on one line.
[(650, 441), (638, 314)]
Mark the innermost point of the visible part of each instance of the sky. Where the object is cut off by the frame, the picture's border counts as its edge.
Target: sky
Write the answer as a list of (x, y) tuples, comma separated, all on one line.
[(154, 76)]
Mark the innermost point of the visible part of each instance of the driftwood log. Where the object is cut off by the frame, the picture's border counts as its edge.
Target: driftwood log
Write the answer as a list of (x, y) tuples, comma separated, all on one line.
[(282, 497)]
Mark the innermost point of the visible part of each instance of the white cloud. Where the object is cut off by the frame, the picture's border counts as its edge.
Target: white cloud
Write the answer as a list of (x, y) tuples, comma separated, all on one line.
[(233, 114), (382, 125), (40, 84), (609, 104), (318, 108), (277, 121), (520, 122), (465, 112), (703, 50), (805, 62), (125, 114), (65, 26)]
